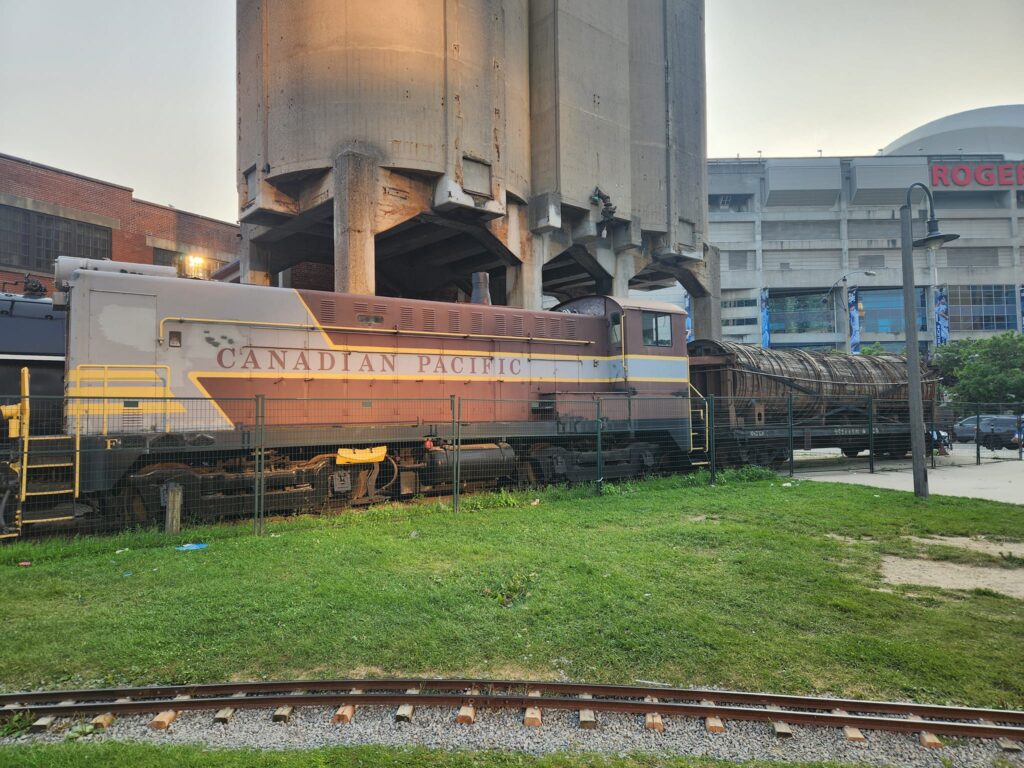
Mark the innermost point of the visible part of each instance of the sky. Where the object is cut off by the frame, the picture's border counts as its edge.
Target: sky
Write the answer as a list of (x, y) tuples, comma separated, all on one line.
[(142, 92)]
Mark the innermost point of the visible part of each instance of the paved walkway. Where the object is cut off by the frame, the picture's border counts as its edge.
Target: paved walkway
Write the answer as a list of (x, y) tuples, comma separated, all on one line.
[(998, 480)]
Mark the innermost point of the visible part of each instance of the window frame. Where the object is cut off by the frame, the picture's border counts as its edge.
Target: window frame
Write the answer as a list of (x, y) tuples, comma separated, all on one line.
[(655, 339)]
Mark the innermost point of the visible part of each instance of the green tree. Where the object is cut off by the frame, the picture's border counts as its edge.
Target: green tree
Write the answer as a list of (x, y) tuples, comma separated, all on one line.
[(874, 348), (951, 357), (985, 370)]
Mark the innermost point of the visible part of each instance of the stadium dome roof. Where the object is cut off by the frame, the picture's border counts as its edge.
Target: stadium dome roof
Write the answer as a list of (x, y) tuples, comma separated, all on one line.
[(989, 130)]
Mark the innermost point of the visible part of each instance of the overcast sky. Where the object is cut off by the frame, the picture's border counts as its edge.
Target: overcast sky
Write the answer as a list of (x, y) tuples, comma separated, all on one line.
[(142, 92)]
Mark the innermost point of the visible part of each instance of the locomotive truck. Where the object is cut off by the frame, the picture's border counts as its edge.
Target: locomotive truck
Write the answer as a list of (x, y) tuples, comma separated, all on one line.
[(322, 399)]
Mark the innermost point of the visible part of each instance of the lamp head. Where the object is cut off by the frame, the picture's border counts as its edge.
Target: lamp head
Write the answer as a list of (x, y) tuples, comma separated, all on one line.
[(870, 273), (934, 239)]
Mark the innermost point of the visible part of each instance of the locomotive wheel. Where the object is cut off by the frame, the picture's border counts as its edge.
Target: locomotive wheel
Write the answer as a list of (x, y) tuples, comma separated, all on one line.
[(851, 453)]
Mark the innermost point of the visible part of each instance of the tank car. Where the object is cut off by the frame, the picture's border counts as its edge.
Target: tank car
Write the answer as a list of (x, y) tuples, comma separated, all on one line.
[(834, 400), (336, 398)]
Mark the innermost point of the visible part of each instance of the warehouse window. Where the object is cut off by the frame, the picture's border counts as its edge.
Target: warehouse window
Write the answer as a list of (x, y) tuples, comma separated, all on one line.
[(731, 303), (802, 312), (883, 310), (165, 258), (740, 321), (972, 257), (739, 260), (33, 240), (657, 329), (871, 261), (982, 307)]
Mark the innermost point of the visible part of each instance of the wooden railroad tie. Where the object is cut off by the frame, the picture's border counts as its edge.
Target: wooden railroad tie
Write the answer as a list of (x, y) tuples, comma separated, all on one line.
[(164, 719), (652, 720), (284, 713), (850, 732), (1005, 744), (105, 720), (928, 739), (782, 730), (532, 716), (712, 724), (224, 715), (346, 712), (404, 713), (588, 719), (467, 712), (46, 722)]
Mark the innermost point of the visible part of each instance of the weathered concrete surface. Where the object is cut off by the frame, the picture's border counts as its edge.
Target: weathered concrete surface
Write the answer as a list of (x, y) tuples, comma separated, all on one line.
[(487, 126), (997, 481)]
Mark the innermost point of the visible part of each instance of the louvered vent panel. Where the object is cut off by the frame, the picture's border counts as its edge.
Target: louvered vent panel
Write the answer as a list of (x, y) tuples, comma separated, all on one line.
[(539, 329), (476, 323), (570, 329), (428, 320), (362, 306), (380, 308), (517, 325), (328, 311), (500, 326), (405, 320), (454, 322)]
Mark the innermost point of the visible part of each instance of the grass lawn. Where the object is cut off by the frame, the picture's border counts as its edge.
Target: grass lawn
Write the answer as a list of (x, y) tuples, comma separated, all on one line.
[(113, 755), (613, 589)]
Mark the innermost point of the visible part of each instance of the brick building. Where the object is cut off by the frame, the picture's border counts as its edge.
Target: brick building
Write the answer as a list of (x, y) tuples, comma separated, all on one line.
[(46, 212)]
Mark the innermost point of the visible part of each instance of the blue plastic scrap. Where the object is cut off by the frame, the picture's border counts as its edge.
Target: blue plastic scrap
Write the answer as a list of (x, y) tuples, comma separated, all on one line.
[(190, 547)]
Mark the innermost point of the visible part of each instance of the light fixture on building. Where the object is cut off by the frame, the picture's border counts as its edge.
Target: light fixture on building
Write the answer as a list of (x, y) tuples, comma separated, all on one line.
[(193, 266)]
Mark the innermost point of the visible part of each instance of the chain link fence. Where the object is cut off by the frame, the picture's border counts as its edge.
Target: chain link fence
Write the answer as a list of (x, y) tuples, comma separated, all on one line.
[(102, 464)]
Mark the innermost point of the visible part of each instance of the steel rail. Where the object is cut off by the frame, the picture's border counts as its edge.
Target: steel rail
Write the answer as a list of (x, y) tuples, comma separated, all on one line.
[(869, 722), (804, 710), (253, 688)]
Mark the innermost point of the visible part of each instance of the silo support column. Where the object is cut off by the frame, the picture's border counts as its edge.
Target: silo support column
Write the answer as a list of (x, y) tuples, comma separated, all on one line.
[(254, 261), (355, 195), (525, 281)]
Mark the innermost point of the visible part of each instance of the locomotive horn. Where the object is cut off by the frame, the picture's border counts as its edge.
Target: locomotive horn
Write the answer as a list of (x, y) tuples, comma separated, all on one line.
[(481, 288)]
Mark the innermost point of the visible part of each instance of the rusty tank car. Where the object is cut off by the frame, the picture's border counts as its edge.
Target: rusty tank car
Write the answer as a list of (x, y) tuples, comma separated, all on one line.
[(833, 400)]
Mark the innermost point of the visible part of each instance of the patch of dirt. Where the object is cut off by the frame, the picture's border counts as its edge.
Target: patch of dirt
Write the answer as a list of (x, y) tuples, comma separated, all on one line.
[(847, 539), (702, 519), (935, 573), (989, 547)]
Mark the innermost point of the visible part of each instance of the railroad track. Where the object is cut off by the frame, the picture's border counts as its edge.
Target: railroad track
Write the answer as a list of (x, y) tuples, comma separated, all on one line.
[(468, 695)]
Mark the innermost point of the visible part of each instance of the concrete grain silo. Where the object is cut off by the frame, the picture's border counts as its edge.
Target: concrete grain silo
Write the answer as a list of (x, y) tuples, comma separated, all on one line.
[(397, 146)]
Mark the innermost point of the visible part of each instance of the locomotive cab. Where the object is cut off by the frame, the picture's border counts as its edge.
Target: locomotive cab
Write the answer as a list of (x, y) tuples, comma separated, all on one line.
[(646, 342)]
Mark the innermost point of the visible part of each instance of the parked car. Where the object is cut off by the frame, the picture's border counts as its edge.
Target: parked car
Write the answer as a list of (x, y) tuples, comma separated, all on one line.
[(964, 430), (999, 432)]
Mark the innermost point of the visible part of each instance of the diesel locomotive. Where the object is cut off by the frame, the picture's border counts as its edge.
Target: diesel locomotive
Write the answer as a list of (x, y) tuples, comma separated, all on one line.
[(333, 398), (322, 399)]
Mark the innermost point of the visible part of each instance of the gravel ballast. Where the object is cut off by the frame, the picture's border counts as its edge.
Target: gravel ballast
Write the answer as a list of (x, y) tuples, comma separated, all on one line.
[(435, 727)]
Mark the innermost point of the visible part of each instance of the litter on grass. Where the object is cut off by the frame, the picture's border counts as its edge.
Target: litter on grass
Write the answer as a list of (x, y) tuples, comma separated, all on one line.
[(190, 547)]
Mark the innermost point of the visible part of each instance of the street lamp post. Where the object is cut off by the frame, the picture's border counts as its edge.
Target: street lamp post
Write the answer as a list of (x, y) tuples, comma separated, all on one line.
[(932, 240), (845, 298)]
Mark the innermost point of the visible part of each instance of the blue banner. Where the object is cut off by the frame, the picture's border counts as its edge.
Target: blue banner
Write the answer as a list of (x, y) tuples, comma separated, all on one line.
[(766, 329), (688, 306), (854, 310), (941, 317)]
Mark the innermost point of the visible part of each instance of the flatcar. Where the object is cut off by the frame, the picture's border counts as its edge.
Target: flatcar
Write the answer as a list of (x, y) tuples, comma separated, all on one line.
[(346, 399)]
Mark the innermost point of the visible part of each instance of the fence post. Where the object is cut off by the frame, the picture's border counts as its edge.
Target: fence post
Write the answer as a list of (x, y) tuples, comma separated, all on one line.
[(457, 454), (260, 457), (789, 415), (1020, 439), (977, 435), (871, 435), (710, 427), (600, 454), (934, 433), (172, 519)]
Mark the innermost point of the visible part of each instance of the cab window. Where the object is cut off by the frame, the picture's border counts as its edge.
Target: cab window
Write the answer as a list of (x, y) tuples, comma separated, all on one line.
[(657, 329), (615, 329)]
